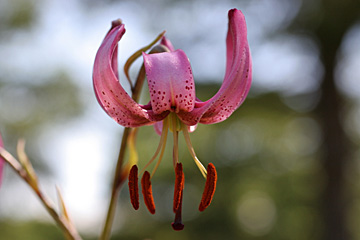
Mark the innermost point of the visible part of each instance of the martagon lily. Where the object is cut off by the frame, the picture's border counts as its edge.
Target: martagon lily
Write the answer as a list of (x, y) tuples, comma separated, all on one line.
[(173, 103)]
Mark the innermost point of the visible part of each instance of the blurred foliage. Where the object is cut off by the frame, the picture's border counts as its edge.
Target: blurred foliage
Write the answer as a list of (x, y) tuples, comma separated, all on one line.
[(17, 14), (28, 108), (268, 181), (268, 154), (269, 178), (29, 230), (29, 102)]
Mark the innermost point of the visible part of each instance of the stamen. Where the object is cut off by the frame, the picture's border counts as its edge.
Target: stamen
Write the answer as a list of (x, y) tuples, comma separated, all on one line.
[(161, 155), (192, 152), (147, 192), (179, 186), (161, 146), (164, 133), (177, 225), (133, 187), (210, 187)]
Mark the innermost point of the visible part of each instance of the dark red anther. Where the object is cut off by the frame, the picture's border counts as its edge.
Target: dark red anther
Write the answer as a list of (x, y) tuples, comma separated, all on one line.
[(179, 186), (147, 192), (210, 187), (133, 187)]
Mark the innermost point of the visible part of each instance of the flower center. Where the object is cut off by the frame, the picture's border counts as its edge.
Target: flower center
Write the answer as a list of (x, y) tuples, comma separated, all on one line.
[(172, 123)]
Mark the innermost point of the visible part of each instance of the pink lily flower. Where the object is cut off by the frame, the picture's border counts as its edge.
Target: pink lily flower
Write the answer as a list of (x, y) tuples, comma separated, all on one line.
[(173, 103)]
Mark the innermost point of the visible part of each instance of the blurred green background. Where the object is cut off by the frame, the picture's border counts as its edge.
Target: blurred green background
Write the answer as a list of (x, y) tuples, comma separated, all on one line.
[(287, 160)]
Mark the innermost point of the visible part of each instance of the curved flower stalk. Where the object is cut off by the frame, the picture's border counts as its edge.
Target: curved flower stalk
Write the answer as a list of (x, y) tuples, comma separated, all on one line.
[(173, 103), (25, 170)]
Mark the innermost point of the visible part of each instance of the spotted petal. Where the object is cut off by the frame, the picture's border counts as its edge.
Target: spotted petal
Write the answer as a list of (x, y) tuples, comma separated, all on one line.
[(170, 81), (237, 80), (110, 94)]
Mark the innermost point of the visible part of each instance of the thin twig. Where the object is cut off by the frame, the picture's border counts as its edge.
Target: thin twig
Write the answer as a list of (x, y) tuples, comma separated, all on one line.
[(68, 229)]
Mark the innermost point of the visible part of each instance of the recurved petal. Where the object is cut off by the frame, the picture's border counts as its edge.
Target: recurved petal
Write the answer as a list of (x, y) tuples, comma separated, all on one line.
[(166, 42), (238, 74), (237, 80), (110, 94), (170, 82), (114, 59), (158, 126)]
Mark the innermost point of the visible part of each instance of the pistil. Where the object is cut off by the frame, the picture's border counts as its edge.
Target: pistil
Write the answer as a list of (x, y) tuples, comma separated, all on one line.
[(175, 131), (177, 225)]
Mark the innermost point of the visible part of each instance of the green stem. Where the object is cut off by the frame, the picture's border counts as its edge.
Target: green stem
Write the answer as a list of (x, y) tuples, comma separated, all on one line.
[(119, 177), (118, 180)]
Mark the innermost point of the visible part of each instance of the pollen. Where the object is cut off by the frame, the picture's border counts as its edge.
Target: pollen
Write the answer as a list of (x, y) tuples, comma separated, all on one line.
[(210, 187), (147, 192), (133, 187), (179, 186)]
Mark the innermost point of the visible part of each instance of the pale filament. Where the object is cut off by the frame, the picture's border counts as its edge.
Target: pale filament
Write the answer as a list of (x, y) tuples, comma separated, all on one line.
[(161, 147), (192, 152)]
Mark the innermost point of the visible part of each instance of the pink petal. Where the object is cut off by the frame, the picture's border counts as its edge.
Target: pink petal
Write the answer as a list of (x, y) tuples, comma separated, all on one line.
[(237, 80), (2, 161), (170, 81), (166, 42), (110, 94), (158, 126)]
